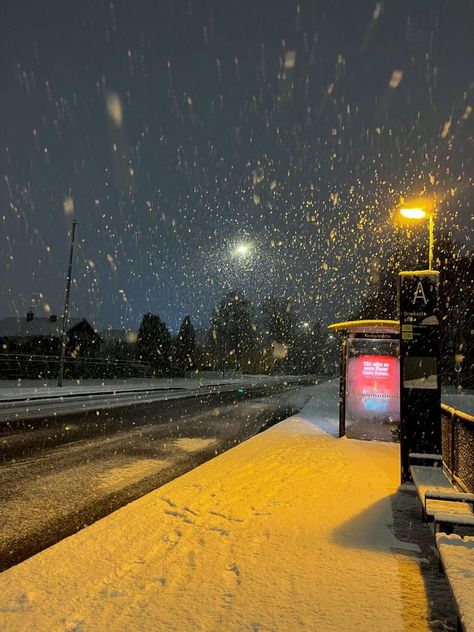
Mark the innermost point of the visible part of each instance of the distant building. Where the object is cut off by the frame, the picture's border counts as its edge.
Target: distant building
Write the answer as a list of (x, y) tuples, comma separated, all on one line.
[(42, 336)]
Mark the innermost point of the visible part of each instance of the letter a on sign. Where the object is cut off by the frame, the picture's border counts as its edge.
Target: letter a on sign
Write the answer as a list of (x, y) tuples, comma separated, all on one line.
[(419, 294)]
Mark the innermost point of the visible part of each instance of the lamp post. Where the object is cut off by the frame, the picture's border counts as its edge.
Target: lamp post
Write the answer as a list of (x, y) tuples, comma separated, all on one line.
[(417, 213)]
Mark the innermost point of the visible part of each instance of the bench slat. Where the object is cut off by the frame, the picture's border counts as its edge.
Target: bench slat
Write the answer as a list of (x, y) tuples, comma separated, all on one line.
[(445, 506), (427, 476), (426, 457), (446, 494), (450, 518), (437, 494)]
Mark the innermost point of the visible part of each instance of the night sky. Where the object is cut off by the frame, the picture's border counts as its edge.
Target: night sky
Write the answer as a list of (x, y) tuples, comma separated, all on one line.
[(174, 131)]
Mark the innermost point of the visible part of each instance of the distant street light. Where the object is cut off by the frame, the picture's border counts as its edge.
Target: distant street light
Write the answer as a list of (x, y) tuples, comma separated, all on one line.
[(242, 249), (419, 211)]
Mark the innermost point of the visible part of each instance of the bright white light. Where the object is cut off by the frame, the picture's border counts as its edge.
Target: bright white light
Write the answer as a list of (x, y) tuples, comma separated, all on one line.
[(68, 205), (242, 249), (114, 109)]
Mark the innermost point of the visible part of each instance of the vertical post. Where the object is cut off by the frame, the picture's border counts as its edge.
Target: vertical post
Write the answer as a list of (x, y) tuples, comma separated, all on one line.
[(431, 241), (420, 395), (66, 307), (452, 418), (342, 386)]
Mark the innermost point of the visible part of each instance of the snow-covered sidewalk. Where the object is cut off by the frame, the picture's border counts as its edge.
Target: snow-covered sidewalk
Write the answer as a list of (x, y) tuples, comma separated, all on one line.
[(291, 530)]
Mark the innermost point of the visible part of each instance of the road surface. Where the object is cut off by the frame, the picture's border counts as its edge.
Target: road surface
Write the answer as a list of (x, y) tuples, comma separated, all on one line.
[(35, 400)]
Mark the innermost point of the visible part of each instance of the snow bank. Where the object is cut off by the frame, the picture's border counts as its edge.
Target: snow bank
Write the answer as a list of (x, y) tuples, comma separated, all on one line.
[(14, 390), (291, 530)]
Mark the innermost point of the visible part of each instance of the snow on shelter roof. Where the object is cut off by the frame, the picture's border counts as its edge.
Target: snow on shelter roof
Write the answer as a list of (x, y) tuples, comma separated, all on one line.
[(418, 272), (367, 326)]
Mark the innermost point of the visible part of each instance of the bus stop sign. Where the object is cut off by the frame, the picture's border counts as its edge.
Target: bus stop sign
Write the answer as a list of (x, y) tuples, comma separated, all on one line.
[(420, 395)]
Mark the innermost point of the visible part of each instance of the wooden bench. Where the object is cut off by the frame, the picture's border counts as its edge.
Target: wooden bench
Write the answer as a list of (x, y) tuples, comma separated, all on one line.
[(446, 521), (457, 559), (437, 494)]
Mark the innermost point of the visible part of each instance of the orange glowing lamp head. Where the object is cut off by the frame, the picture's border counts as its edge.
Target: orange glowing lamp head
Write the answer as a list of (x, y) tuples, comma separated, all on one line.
[(416, 209), (413, 213)]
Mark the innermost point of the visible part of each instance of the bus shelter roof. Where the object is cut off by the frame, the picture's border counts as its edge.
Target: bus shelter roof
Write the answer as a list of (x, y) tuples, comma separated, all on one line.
[(367, 326)]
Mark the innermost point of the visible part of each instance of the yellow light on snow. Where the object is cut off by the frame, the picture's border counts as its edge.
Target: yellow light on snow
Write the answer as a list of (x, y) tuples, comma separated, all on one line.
[(413, 213)]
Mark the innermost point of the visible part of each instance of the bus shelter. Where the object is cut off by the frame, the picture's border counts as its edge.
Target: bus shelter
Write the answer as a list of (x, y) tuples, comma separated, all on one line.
[(369, 392)]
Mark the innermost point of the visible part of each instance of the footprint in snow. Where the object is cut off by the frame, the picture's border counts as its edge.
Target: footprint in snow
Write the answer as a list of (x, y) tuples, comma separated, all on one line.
[(229, 518), (181, 516), (191, 511), (167, 500)]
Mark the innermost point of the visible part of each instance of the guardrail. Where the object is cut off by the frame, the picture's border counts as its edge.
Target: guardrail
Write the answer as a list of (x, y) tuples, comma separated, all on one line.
[(457, 440), (33, 366)]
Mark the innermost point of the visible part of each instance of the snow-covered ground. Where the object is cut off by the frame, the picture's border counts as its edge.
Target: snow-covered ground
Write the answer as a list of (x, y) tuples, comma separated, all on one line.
[(291, 530)]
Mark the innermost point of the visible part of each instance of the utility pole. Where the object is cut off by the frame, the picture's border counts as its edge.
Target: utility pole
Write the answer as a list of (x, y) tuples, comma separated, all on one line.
[(66, 307)]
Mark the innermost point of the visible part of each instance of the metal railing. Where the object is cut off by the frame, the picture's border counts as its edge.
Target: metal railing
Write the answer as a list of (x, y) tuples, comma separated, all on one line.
[(34, 366), (457, 440)]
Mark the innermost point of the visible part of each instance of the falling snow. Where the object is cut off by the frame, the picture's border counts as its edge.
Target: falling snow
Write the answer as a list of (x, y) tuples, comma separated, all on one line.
[(173, 135), (234, 172)]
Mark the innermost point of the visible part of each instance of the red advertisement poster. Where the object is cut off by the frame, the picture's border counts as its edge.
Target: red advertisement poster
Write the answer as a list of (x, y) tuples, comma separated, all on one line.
[(373, 387)]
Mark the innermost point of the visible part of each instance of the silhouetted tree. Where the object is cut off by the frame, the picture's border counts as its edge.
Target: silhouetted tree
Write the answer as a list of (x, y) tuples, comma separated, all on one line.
[(154, 344), (280, 333), (185, 347), (456, 307), (310, 349), (380, 296), (232, 335), (279, 320), (456, 303)]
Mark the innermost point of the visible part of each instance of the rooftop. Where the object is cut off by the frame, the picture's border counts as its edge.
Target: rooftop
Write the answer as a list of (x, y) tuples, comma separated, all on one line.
[(12, 327)]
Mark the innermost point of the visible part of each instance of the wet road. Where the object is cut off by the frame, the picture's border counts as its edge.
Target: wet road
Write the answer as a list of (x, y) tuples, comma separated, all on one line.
[(50, 488)]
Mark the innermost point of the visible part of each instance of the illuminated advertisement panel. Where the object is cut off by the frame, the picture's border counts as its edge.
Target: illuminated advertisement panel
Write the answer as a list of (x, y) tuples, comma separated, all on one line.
[(372, 389)]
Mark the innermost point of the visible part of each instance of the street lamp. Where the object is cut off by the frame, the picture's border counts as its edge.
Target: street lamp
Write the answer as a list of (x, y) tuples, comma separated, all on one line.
[(417, 212), (242, 249), (420, 394)]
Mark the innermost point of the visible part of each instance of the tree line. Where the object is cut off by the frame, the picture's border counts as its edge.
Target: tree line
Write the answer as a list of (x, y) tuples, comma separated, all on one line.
[(271, 338), (455, 305)]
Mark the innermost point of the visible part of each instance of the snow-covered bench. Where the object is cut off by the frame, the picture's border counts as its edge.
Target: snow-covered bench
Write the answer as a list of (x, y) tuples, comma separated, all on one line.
[(445, 521), (457, 559), (437, 494)]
